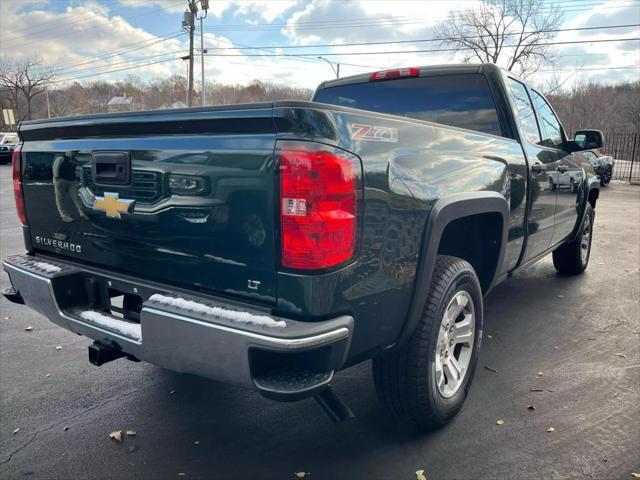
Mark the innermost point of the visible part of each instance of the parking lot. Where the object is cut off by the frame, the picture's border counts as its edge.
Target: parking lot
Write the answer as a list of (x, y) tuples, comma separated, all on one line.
[(569, 346)]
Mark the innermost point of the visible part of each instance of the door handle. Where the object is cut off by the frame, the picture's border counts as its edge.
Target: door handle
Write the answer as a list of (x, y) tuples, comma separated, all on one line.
[(537, 168), (562, 168)]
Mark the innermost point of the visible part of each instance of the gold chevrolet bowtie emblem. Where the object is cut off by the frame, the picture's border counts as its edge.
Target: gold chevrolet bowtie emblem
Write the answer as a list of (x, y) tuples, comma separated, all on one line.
[(112, 205)]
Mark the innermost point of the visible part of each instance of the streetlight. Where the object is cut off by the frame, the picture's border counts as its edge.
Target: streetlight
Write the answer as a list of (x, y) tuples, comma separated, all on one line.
[(336, 69)]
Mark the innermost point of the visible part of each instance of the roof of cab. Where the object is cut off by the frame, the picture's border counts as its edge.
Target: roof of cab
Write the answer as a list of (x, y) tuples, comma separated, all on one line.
[(426, 70)]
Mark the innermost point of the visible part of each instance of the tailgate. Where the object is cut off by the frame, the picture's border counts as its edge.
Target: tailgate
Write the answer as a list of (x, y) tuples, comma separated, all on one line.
[(181, 197)]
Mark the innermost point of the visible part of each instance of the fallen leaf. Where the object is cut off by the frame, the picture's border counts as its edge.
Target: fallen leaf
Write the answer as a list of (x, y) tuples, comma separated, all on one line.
[(560, 296), (66, 428), (622, 355), (551, 429), (48, 375), (300, 474), (172, 392), (131, 433), (539, 374), (196, 442), (489, 336), (500, 422), (28, 329), (117, 436), (531, 407), (635, 475), (556, 348), (491, 369), (7, 317), (420, 475), (16, 431), (59, 347)]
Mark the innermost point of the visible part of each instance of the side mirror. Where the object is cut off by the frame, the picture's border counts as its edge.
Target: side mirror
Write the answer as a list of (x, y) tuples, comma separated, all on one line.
[(589, 139)]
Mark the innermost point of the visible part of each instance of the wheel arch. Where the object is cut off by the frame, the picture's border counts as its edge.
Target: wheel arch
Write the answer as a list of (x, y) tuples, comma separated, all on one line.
[(591, 197), (446, 212)]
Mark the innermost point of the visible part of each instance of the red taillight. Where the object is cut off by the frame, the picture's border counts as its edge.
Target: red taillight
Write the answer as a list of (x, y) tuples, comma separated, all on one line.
[(17, 184), (318, 205), (395, 73)]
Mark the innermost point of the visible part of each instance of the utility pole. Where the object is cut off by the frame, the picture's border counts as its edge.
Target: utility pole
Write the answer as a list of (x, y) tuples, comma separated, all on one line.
[(189, 24), (204, 5), (46, 91), (193, 9)]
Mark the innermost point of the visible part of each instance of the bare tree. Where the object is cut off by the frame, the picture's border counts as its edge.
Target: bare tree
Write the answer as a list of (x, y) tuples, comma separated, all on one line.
[(512, 33), (24, 79)]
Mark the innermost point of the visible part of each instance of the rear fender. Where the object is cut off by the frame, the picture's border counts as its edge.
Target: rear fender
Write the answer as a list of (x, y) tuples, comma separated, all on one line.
[(593, 189), (445, 211)]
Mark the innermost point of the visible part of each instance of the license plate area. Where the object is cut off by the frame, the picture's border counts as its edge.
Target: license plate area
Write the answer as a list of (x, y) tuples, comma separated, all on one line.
[(87, 291)]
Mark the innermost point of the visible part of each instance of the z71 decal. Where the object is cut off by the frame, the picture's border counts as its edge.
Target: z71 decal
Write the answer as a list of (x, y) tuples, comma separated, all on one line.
[(372, 133)]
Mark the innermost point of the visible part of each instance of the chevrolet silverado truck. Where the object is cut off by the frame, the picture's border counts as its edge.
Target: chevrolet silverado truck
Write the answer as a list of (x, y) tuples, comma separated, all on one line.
[(274, 244)]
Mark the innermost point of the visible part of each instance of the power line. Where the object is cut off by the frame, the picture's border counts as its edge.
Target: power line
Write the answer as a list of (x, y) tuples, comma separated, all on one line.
[(117, 70), (172, 35), (66, 25), (33, 28), (386, 21), (556, 30), (393, 52), (121, 62), (127, 49), (589, 69)]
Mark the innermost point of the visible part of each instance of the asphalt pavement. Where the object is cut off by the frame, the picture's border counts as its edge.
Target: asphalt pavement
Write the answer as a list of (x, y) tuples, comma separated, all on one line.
[(568, 346)]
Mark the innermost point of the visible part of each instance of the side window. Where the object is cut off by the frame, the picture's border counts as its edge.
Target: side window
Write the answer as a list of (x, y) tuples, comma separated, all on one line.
[(549, 124), (524, 111)]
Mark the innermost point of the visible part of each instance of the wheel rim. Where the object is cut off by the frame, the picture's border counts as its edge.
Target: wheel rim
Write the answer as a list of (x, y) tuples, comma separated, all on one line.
[(585, 240), (455, 344)]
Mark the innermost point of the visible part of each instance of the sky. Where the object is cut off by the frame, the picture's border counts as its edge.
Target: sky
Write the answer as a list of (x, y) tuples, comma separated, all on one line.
[(85, 40)]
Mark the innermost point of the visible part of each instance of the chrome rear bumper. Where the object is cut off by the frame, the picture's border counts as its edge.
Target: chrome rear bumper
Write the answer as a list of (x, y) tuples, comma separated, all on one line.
[(213, 345)]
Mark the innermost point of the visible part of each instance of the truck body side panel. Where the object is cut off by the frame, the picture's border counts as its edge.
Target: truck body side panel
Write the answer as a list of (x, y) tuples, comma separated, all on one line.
[(402, 181)]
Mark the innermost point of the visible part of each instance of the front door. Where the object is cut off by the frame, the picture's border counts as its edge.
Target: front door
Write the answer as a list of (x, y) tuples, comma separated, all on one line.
[(568, 172)]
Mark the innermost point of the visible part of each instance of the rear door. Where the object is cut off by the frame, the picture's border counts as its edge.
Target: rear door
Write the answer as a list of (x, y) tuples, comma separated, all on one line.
[(193, 207), (543, 177)]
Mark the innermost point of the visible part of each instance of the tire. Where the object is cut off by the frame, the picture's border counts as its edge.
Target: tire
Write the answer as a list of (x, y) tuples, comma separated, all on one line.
[(572, 258), (606, 176), (405, 378)]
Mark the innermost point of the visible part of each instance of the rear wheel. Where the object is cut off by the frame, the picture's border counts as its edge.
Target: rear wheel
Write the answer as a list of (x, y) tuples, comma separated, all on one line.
[(573, 257), (605, 178), (426, 381)]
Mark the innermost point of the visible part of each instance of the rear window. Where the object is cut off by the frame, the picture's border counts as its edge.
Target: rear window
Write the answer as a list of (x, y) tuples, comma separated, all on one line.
[(463, 100)]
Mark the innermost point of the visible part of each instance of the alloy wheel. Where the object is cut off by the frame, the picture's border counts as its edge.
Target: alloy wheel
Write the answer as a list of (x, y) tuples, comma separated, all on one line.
[(455, 344)]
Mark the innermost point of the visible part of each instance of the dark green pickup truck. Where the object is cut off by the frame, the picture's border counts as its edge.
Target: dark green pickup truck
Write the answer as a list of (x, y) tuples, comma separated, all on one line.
[(274, 244)]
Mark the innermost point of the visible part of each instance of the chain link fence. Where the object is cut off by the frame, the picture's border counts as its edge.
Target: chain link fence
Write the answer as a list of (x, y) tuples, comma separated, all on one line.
[(624, 147)]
